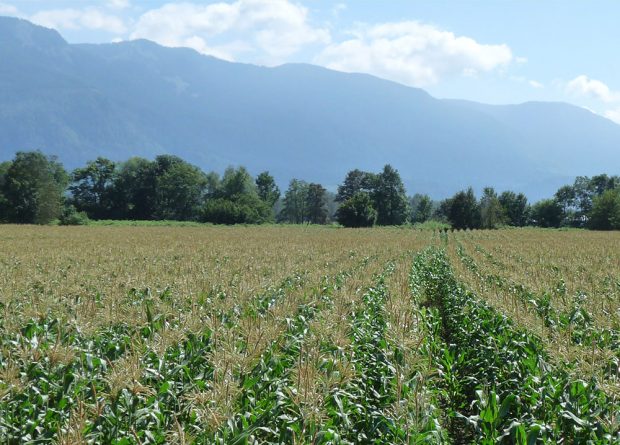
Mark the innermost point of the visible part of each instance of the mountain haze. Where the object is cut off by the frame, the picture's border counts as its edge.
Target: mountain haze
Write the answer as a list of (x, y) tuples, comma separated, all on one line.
[(137, 98)]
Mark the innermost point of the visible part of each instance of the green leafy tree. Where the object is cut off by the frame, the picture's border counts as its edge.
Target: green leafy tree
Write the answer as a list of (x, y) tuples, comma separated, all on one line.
[(515, 208), (295, 203), (267, 189), (316, 204), (390, 198), (491, 211), (244, 209), (234, 199), (547, 213), (4, 204), (92, 188), (33, 188), (237, 182), (133, 194), (462, 210), (605, 213), (355, 181), (422, 206), (357, 211), (179, 189)]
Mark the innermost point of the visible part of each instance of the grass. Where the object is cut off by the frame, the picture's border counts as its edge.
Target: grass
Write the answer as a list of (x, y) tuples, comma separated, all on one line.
[(183, 333)]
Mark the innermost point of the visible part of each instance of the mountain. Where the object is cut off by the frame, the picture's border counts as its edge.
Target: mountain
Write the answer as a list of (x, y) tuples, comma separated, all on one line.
[(137, 98)]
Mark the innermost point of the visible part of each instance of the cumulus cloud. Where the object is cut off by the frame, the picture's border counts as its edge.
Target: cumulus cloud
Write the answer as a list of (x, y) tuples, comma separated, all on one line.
[(6, 9), (90, 18), (592, 88), (118, 4), (613, 115), (413, 53), (535, 84), (275, 28)]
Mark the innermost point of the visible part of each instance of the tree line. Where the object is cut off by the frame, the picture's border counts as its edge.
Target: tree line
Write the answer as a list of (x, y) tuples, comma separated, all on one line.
[(36, 189)]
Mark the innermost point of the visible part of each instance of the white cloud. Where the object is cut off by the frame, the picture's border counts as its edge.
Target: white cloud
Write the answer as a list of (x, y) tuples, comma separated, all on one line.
[(274, 28), (118, 4), (6, 9), (413, 53), (613, 115), (592, 88), (70, 18), (535, 84)]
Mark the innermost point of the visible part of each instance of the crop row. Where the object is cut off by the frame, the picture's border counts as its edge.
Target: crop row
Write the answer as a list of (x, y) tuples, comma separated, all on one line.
[(575, 321), (497, 381)]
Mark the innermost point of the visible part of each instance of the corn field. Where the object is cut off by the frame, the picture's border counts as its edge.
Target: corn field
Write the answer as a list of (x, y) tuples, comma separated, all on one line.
[(308, 335)]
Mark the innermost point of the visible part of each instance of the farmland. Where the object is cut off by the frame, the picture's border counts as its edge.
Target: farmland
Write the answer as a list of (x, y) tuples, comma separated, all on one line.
[(241, 335)]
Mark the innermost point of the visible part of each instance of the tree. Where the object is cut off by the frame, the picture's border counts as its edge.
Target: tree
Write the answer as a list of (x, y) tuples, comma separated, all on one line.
[(462, 210), (316, 204), (244, 209), (390, 198), (267, 189), (133, 194), (237, 182), (355, 181), (179, 189), (33, 188), (422, 208), (357, 211), (515, 208), (491, 212), (234, 199), (92, 187), (4, 205), (605, 213), (294, 208), (547, 213)]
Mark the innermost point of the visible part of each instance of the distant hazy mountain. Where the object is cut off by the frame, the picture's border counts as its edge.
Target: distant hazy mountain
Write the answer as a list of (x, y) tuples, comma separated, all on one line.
[(140, 99)]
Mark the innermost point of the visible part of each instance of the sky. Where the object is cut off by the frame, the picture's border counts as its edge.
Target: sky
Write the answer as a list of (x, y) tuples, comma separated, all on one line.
[(492, 51)]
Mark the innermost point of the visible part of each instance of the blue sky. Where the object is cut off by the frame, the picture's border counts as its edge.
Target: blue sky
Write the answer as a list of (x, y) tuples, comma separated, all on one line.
[(493, 51)]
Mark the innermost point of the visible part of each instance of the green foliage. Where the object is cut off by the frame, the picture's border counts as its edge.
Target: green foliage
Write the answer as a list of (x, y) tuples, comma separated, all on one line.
[(498, 383), (390, 198), (316, 206), (515, 208), (244, 209), (295, 204), (491, 211), (267, 189), (605, 213), (71, 217), (357, 211), (462, 210), (33, 186), (356, 181), (91, 188), (422, 206), (179, 189), (547, 213)]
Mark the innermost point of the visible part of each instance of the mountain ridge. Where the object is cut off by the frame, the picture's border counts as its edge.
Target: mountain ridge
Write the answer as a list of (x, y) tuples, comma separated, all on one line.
[(137, 98)]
